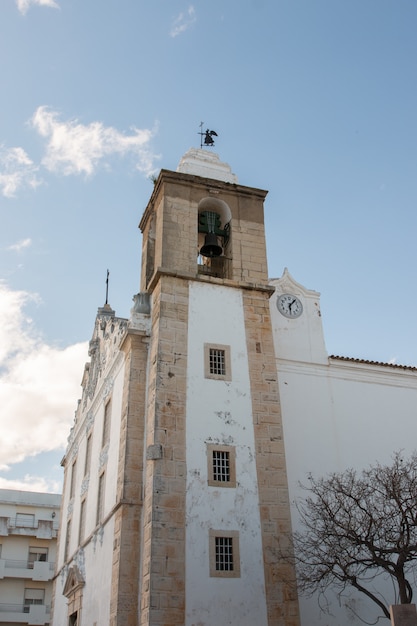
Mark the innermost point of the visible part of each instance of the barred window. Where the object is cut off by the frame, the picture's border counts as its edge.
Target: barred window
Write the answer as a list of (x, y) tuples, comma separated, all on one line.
[(224, 554), (221, 465), (217, 362)]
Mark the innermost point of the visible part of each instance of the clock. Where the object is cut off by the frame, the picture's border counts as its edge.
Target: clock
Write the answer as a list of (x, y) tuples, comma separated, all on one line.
[(289, 305)]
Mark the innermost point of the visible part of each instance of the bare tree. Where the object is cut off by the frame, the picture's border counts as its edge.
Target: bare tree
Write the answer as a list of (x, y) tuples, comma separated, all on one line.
[(356, 527)]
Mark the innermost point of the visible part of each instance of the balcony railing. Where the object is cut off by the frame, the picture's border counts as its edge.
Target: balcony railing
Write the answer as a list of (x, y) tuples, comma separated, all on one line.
[(13, 522), (13, 563), (21, 608)]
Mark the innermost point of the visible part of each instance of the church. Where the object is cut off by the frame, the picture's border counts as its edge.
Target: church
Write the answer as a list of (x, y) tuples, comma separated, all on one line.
[(199, 416)]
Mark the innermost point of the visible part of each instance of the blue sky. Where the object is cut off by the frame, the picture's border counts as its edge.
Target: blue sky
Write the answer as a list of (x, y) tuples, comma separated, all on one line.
[(314, 100)]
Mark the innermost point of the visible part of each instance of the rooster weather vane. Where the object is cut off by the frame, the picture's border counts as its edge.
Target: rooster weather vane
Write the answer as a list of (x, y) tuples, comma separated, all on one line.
[(208, 136)]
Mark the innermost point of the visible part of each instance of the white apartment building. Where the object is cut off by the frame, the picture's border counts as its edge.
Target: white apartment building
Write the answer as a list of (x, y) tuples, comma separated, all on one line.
[(29, 524)]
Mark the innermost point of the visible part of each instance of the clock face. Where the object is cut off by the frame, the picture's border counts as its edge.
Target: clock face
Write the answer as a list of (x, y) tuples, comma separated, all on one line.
[(289, 305)]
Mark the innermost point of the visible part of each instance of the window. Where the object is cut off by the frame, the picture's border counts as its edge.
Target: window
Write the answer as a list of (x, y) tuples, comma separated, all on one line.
[(73, 478), (221, 466), (25, 520), (224, 554), (88, 455), (100, 498), (106, 424), (36, 554), (33, 596), (82, 521), (67, 540), (73, 619), (217, 362)]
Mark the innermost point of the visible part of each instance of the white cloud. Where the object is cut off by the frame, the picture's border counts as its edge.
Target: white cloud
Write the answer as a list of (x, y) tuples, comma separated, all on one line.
[(20, 245), (31, 483), (75, 148), (24, 5), (16, 170), (183, 22), (39, 384)]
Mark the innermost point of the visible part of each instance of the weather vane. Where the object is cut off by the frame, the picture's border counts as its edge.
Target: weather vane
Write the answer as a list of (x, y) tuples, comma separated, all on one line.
[(208, 136)]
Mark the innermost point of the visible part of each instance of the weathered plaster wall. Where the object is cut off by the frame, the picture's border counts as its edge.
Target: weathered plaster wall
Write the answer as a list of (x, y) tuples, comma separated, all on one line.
[(221, 412)]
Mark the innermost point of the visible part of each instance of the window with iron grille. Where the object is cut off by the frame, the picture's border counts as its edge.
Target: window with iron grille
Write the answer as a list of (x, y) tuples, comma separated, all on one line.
[(221, 465), (224, 554), (217, 362)]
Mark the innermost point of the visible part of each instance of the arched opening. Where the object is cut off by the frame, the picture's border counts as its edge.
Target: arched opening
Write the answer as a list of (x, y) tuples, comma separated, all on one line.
[(214, 238)]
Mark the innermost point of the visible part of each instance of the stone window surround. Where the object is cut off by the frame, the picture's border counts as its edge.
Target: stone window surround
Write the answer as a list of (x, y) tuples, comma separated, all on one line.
[(234, 536), (228, 370), (232, 465)]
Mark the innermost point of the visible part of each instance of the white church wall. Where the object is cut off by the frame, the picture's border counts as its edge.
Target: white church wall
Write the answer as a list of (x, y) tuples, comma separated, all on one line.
[(337, 414), (94, 557), (216, 316)]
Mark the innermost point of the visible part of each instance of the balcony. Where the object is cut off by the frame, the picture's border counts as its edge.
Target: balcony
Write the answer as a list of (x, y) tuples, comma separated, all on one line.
[(37, 570), (36, 614), (41, 529)]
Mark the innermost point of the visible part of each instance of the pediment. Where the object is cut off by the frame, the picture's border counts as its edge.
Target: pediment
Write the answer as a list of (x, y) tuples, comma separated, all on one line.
[(287, 284), (74, 581)]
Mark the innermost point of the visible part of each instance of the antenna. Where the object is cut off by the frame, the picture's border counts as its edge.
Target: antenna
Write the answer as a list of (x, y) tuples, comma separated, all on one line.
[(107, 286), (201, 134)]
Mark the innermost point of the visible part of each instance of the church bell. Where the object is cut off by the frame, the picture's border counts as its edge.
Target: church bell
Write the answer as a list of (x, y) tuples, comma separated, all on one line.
[(211, 246)]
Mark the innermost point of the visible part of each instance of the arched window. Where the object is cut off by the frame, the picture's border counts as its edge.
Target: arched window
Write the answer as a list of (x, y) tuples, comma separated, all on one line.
[(214, 238)]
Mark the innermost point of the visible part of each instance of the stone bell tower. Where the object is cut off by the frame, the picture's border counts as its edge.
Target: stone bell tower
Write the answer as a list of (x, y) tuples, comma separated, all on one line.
[(175, 488), (215, 498)]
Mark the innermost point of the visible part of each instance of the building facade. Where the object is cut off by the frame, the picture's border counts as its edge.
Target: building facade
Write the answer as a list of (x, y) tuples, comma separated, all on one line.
[(28, 535), (175, 486)]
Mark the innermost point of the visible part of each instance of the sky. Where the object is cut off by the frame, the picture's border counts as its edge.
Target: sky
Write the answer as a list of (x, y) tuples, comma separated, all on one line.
[(313, 100)]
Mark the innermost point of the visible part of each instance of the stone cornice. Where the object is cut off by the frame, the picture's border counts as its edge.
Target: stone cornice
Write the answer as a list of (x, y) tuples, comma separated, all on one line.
[(213, 280)]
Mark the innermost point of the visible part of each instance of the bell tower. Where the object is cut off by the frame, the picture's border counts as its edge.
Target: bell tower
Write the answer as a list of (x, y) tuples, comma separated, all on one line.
[(175, 491), (215, 498)]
